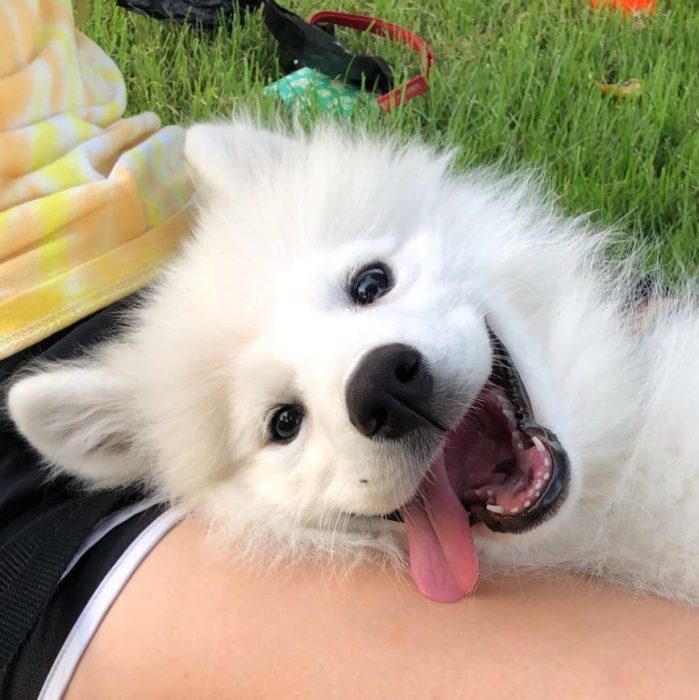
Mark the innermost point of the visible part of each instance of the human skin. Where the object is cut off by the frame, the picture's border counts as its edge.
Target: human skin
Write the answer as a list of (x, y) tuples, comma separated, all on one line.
[(191, 625)]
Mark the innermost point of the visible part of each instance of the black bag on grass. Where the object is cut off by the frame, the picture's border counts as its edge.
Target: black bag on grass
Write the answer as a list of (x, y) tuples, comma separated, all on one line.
[(203, 14)]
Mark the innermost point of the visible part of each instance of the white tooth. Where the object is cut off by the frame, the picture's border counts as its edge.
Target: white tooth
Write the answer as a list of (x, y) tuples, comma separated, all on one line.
[(514, 511), (520, 446), (547, 477), (538, 444), (547, 462), (527, 504), (538, 484), (537, 493), (490, 493), (495, 509)]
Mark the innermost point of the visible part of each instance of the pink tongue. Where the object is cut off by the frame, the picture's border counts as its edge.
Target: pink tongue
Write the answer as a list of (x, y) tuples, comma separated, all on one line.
[(443, 559)]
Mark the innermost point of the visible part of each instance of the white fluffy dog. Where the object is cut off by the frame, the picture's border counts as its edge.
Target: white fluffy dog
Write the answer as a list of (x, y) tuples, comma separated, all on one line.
[(355, 336)]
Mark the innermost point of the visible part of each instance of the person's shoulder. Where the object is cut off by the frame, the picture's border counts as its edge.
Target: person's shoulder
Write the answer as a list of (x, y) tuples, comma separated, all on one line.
[(191, 623)]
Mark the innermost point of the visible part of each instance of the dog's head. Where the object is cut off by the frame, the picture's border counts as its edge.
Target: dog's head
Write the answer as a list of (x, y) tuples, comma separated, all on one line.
[(331, 347)]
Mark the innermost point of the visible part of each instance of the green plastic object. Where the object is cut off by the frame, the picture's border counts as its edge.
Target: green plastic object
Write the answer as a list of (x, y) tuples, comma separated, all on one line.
[(311, 91)]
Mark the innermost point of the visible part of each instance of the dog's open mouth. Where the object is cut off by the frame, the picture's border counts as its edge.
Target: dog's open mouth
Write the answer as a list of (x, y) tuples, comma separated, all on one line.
[(509, 472), (498, 467)]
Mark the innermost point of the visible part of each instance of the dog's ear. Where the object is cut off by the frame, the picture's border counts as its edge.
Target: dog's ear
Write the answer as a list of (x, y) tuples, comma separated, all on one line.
[(77, 418), (226, 155)]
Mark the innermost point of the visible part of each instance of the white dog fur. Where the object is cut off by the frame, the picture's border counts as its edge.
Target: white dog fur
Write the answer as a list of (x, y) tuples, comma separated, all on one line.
[(254, 313)]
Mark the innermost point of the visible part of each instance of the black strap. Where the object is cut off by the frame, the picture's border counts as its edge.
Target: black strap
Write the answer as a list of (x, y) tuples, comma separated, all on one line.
[(43, 523), (33, 562)]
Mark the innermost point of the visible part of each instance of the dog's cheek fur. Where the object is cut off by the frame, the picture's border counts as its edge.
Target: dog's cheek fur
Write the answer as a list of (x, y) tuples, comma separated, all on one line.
[(619, 400), (552, 301)]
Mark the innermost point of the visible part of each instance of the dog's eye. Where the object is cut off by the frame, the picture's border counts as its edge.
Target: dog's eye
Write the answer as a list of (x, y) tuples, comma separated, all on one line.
[(285, 423), (371, 283)]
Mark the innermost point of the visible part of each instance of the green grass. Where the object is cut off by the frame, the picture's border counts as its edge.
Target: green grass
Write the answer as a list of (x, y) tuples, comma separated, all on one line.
[(515, 83)]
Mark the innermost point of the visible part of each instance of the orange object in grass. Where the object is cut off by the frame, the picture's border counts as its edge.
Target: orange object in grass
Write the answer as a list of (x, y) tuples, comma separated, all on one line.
[(627, 6)]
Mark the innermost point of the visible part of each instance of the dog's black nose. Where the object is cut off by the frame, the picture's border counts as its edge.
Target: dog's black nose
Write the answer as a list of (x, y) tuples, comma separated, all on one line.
[(387, 393)]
